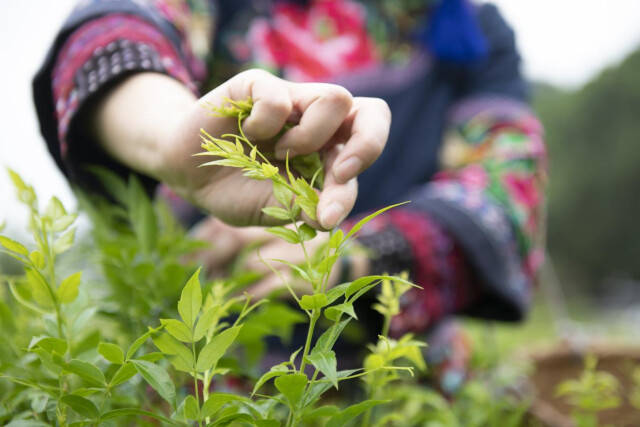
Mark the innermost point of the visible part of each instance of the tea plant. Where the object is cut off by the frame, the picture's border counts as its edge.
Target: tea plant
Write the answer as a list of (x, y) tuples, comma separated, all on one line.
[(592, 392)]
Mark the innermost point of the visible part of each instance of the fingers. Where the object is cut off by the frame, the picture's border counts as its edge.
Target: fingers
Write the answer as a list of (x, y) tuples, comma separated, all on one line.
[(366, 131), (324, 107), (337, 199), (272, 103)]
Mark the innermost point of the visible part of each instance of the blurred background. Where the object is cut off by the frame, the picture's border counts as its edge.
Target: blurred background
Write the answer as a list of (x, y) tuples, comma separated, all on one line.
[(583, 57)]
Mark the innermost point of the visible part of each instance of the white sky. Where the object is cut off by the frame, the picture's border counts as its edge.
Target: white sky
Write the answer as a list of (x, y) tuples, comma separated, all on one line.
[(564, 42)]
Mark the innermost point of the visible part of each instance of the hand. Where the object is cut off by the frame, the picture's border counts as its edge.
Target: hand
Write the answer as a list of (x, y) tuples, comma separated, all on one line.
[(143, 128)]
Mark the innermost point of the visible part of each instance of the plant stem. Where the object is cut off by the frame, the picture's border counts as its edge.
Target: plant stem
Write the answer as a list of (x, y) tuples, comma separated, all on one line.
[(312, 324), (195, 380)]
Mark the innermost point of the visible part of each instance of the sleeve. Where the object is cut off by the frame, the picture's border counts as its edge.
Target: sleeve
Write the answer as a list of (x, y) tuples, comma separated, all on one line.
[(473, 236), (101, 42)]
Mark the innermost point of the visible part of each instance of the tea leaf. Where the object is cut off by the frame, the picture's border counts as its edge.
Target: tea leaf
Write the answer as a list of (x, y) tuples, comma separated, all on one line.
[(87, 372), (123, 374), (277, 213), (111, 353), (135, 412), (204, 323), (282, 194), (49, 344), (63, 223), (82, 406), (190, 300), (285, 234), (334, 311), (177, 329), (141, 214), (54, 209), (68, 290), (368, 218), (39, 289), (336, 239), (37, 259), (360, 283), (325, 361), (139, 341), (343, 417), (330, 336), (169, 345), (275, 371), (216, 401), (157, 378), (13, 246), (292, 387), (191, 410), (216, 348), (306, 232), (64, 242), (313, 302)]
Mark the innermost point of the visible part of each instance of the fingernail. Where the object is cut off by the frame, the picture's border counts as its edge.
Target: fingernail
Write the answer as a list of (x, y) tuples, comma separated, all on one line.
[(281, 153), (347, 169), (331, 215)]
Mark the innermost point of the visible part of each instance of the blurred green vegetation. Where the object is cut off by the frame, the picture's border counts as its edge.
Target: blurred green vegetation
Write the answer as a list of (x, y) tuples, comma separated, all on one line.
[(593, 135)]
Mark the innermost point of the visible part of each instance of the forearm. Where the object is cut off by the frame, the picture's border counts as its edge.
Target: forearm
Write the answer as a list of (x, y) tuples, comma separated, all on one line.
[(133, 121)]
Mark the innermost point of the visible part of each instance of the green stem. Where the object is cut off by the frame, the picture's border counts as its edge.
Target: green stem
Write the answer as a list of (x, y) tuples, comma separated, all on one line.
[(386, 325), (312, 324), (195, 380)]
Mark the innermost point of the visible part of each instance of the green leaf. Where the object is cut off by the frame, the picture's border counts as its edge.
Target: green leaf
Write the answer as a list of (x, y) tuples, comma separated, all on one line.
[(13, 246), (39, 289), (216, 401), (111, 353), (68, 290), (368, 218), (177, 329), (123, 374), (115, 186), (282, 194), (292, 387), (204, 323), (357, 284), (325, 362), (313, 302), (82, 406), (285, 234), (37, 259), (87, 372), (306, 232), (142, 216), (236, 419), (191, 410), (332, 312), (326, 264), (343, 417), (157, 378), (330, 336), (190, 300), (63, 223), (336, 292), (49, 344), (216, 348), (139, 341), (275, 371), (336, 239), (277, 213), (135, 412), (64, 242), (54, 209), (169, 345)]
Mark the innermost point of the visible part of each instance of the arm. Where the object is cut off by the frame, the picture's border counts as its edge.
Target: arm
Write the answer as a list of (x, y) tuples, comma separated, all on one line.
[(151, 124)]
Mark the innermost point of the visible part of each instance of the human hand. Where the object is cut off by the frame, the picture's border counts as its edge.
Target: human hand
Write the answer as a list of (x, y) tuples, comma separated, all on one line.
[(351, 132)]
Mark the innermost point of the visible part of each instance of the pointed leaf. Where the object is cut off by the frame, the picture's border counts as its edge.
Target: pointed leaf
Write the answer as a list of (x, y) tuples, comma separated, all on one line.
[(292, 387), (276, 371), (13, 246), (285, 234), (142, 216), (216, 348), (366, 280), (343, 417), (135, 412), (336, 239), (64, 242), (123, 374), (204, 323), (111, 352), (313, 302), (171, 346), (330, 336), (368, 218), (177, 329), (306, 232), (216, 401), (325, 362), (282, 194), (139, 342), (68, 290), (190, 300), (334, 311), (277, 213), (82, 406), (87, 372), (157, 378), (191, 410)]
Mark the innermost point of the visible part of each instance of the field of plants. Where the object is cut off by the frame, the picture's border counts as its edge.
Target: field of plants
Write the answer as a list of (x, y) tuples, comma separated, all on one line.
[(125, 329)]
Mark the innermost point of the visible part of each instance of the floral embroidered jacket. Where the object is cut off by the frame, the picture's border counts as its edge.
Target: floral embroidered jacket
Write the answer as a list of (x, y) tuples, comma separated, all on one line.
[(464, 146)]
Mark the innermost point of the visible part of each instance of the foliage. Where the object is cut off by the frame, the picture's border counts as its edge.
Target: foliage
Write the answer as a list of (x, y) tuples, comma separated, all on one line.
[(593, 392), (146, 340)]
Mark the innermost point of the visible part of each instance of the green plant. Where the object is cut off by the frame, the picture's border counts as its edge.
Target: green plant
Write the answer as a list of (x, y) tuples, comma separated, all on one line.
[(592, 392)]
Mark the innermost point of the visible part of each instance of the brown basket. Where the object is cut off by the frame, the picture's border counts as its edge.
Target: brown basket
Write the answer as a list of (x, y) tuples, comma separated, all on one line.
[(561, 363)]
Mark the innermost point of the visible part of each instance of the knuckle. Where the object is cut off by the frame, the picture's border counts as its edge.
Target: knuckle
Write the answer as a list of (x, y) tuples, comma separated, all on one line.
[(339, 96)]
